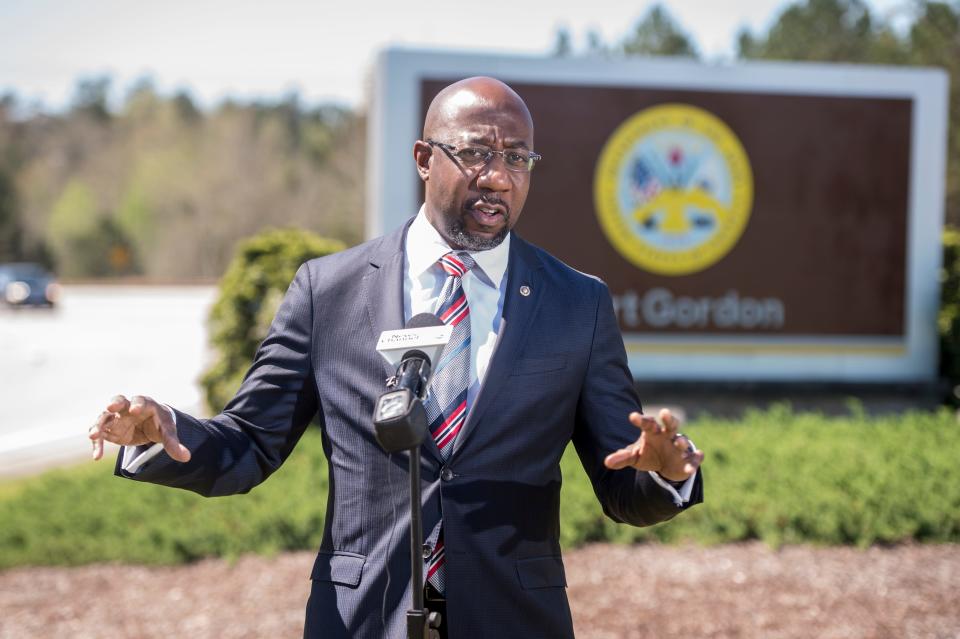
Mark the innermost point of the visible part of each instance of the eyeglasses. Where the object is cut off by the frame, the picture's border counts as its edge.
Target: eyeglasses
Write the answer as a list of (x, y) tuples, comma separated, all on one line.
[(518, 160)]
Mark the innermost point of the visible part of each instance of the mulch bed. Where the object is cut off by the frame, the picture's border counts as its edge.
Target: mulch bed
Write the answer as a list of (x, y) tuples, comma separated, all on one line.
[(616, 592)]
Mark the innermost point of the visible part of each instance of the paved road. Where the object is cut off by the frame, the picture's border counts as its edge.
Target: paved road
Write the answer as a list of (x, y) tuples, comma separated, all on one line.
[(58, 368)]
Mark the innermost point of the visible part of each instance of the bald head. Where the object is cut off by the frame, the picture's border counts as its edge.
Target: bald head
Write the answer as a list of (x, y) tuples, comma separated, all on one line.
[(483, 98), (474, 202)]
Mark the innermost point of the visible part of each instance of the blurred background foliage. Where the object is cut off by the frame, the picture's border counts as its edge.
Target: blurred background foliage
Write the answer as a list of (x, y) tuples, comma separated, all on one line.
[(160, 188), (164, 190)]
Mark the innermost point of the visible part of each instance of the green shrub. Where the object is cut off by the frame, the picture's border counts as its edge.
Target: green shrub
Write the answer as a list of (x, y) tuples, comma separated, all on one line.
[(786, 477), (86, 515), (778, 476), (250, 293), (949, 318)]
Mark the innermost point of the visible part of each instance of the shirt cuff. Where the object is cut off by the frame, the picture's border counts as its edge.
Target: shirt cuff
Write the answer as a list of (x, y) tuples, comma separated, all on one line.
[(681, 494), (132, 458)]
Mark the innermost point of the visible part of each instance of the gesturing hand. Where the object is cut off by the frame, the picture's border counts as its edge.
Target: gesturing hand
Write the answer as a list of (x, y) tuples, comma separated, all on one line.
[(134, 423), (660, 448)]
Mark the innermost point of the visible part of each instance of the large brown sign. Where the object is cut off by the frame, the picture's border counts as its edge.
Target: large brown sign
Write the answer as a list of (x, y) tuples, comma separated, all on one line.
[(725, 213), (754, 221)]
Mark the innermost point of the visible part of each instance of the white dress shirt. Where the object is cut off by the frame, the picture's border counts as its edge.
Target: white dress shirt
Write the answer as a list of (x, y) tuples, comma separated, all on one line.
[(484, 285)]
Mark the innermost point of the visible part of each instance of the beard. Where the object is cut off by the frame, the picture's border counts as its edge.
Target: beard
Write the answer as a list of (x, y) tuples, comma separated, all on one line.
[(458, 233)]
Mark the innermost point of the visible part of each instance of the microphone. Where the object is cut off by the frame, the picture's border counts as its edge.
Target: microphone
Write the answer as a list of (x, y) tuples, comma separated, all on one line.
[(399, 418), (424, 332)]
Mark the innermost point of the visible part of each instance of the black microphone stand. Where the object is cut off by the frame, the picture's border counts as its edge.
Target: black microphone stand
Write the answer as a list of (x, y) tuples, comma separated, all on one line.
[(401, 424), (421, 623)]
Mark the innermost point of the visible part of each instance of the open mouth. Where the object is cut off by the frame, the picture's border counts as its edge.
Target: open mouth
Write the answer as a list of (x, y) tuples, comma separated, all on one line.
[(487, 213)]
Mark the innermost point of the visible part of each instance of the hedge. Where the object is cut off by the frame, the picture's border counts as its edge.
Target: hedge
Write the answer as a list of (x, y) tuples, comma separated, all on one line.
[(250, 293), (777, 475)]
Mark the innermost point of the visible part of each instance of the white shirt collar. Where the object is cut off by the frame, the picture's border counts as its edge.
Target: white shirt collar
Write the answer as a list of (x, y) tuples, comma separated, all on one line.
[(425, 246)]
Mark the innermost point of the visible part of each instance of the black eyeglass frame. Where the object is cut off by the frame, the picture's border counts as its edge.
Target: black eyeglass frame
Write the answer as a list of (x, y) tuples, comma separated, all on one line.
[(452, 150)]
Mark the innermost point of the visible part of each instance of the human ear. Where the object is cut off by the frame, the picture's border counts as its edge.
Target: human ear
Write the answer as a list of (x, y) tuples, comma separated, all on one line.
[(422, 152)]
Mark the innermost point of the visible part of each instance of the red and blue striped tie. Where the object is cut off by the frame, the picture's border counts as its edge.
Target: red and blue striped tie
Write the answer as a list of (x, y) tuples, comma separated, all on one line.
[(446, 405)]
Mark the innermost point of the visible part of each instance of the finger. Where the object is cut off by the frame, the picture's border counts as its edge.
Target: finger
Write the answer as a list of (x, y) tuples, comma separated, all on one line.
[(620, 459), (645, 423), (97, 449), (670, 423), (682, 442), (139, 404), (109, 430), (172, 445), (94, 431), (693, 463), (168, 433), (102, 426), (118, 404)]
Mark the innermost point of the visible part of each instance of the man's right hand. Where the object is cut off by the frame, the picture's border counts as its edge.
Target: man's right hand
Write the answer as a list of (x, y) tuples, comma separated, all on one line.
[(136, 422)]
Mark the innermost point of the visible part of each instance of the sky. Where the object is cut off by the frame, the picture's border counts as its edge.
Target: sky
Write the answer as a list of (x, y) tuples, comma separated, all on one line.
[(323, 50)]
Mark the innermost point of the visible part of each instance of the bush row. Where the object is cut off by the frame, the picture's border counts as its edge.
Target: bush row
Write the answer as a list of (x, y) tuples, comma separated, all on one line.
[(788, 477), (778, 475)]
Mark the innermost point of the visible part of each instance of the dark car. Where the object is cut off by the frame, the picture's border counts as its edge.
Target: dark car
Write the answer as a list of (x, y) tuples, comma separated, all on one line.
[(27, 284)]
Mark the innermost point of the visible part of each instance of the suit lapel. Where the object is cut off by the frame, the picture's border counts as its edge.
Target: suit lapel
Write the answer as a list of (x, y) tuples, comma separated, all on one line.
[(383, 287), (523, 272), (383, 290)]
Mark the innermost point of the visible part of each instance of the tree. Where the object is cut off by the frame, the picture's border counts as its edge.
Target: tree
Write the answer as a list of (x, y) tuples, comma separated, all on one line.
[(658, 34), (825, 30), (185, 108), (86, 241), (90, 97), (595, 44), (934, 40), (72, 221), (562, 43), (11, 233)]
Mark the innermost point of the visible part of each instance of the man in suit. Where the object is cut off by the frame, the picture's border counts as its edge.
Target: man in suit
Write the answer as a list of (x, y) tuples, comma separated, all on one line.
[(536, 361)]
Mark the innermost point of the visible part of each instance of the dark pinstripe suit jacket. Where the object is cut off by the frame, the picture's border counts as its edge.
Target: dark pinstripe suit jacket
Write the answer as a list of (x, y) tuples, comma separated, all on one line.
[(558, 374)]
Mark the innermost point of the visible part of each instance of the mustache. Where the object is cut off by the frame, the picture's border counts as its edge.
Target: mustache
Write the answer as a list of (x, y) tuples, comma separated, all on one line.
[(492, 200)]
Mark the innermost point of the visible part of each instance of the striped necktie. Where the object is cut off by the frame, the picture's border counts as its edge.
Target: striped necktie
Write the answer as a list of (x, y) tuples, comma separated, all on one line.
[(446, 405)]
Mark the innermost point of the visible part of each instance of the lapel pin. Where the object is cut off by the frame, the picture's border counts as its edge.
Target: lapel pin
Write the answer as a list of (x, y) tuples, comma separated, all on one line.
[(525, 290)]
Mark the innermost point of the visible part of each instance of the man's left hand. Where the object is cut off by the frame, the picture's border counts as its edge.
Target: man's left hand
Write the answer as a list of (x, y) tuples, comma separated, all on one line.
[(660, 448)]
